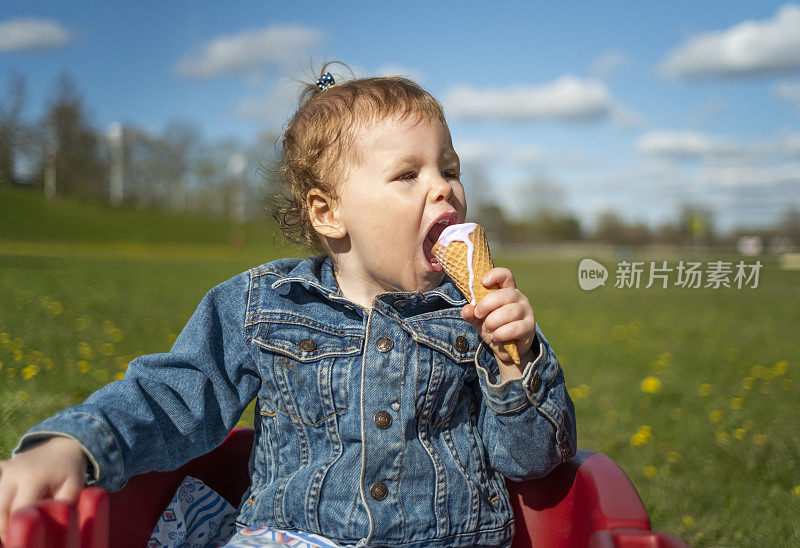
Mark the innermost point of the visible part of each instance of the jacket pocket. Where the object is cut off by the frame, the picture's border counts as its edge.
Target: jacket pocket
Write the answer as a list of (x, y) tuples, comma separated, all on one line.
[(444, 363), (305, 368)]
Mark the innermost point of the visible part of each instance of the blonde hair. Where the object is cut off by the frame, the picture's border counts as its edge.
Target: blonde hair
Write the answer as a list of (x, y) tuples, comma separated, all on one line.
[(318, 144)]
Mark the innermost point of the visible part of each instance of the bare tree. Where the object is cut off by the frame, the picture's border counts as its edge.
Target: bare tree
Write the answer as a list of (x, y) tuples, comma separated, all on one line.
[(11, 127), (78, 166)]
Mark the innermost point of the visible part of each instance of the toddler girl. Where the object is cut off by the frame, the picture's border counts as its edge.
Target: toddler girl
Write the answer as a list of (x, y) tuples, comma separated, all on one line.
[(387, 411)]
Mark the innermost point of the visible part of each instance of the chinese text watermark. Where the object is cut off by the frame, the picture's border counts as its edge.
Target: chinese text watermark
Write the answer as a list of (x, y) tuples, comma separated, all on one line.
[(684, 274)]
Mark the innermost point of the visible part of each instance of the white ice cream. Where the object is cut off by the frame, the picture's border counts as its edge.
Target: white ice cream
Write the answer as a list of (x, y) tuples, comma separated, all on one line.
[(460, 233)]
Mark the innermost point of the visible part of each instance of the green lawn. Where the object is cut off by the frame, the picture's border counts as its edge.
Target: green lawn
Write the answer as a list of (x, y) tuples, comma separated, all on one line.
[(692, 391)]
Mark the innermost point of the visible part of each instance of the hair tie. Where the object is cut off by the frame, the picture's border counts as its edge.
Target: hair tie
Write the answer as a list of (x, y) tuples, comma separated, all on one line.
[(325, 81)]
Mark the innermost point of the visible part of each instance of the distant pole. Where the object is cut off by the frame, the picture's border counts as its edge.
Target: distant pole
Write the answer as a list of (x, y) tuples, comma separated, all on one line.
[(50, 153), (116, 135), (236, 167)]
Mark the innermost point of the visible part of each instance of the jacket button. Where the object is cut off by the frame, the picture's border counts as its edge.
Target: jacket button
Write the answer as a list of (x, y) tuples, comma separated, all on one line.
[(378, 490), (384, 344), (536, 382), (307, 344), (382, 420), (461, 344)]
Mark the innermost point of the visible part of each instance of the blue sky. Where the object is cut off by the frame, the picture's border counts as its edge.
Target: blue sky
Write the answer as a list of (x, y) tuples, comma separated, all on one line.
[(632, 106)]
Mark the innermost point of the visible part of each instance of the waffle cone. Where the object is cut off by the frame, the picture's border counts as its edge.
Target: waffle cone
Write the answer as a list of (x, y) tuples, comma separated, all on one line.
[(453, 259)]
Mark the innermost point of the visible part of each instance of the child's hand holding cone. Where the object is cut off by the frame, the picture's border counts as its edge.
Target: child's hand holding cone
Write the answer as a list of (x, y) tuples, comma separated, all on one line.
[(499, 311)]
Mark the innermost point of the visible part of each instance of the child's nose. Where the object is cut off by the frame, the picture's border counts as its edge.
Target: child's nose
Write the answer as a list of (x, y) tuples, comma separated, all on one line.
[(441, 189)]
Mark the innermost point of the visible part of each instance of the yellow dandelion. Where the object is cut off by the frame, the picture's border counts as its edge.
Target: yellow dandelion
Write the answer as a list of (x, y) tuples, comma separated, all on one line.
[(780, 368), (18, 355), (688, 521), (619, 332), (736, 403), (705, 390), (747, 383), (749, 424), (55, 308), (796, 490), (715, 416), (722, 437), (116, 335), (758, 371), (84, 350), (107, 349), (759, 439), (651, 385), (29, 372), (4, 338), (11, 372), (579, 392), (49, 363), (673, 457), (83, 366), (650, 471), (739, 433), (676, 413), (119, 376), (642, 436)]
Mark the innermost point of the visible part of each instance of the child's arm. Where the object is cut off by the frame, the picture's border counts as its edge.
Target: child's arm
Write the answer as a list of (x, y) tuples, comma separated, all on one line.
[(527, 419), (55, 468), (170, 407)]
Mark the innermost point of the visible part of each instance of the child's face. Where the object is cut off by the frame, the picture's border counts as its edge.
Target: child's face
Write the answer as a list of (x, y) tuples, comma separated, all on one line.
[(396, 202)]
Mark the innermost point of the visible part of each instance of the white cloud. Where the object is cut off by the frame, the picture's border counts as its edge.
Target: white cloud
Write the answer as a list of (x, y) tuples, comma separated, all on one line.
[(608, 62), (567, 99), (277, 46), (749, 175), (750, 48), (722, 150), (32, 34), (686, 144), (787, 91), (398, 70)]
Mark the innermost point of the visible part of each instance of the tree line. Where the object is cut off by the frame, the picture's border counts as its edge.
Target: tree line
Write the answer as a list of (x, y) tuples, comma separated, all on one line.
[(175, 169), (178, 170)]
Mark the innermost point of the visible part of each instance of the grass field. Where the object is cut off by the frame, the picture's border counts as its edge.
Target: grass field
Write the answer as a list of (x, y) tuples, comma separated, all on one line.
[(692, 391)]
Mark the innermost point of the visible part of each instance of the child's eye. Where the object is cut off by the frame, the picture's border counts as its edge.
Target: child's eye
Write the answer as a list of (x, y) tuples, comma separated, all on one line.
[(452, 174), (407, 175)]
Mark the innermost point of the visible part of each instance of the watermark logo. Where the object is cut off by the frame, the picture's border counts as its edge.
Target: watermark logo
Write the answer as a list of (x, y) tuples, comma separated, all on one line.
[(591, 274), (685, 274)]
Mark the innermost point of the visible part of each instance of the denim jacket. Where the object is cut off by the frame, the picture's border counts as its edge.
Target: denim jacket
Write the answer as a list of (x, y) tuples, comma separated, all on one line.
[(379, 427)]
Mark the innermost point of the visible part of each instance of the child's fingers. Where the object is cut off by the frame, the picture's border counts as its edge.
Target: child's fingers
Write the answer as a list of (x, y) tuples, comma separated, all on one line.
[(505, 314), (499, 276), (27, 494), (69, 490), (497, 299), (519, 330)]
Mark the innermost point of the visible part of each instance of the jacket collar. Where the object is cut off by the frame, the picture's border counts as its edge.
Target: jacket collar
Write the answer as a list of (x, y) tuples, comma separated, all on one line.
[(317, 273)]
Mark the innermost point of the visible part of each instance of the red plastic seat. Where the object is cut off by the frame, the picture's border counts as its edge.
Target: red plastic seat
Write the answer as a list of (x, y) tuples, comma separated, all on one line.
[(587, 501)]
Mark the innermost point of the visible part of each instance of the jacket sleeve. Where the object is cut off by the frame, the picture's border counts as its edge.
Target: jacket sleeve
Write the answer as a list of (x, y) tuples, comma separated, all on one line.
[(527, 424), (170, 407)]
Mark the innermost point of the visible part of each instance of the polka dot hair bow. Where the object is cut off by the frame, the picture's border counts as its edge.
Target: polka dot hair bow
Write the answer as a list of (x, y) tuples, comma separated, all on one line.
[(325, 81)]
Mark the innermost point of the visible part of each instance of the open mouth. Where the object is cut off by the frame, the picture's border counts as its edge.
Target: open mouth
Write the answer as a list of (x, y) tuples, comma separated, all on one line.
[(443, 221)]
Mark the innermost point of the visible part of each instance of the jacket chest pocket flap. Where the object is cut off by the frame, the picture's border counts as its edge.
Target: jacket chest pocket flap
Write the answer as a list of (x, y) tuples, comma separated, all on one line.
[(306, 368), (446, 358)]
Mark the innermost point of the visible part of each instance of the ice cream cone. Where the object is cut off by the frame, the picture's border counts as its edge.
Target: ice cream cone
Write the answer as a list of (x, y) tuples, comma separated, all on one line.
[(454, 249)]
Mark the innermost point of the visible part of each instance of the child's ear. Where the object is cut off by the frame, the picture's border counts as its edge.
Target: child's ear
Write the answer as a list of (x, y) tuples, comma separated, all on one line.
[(324, 214)]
